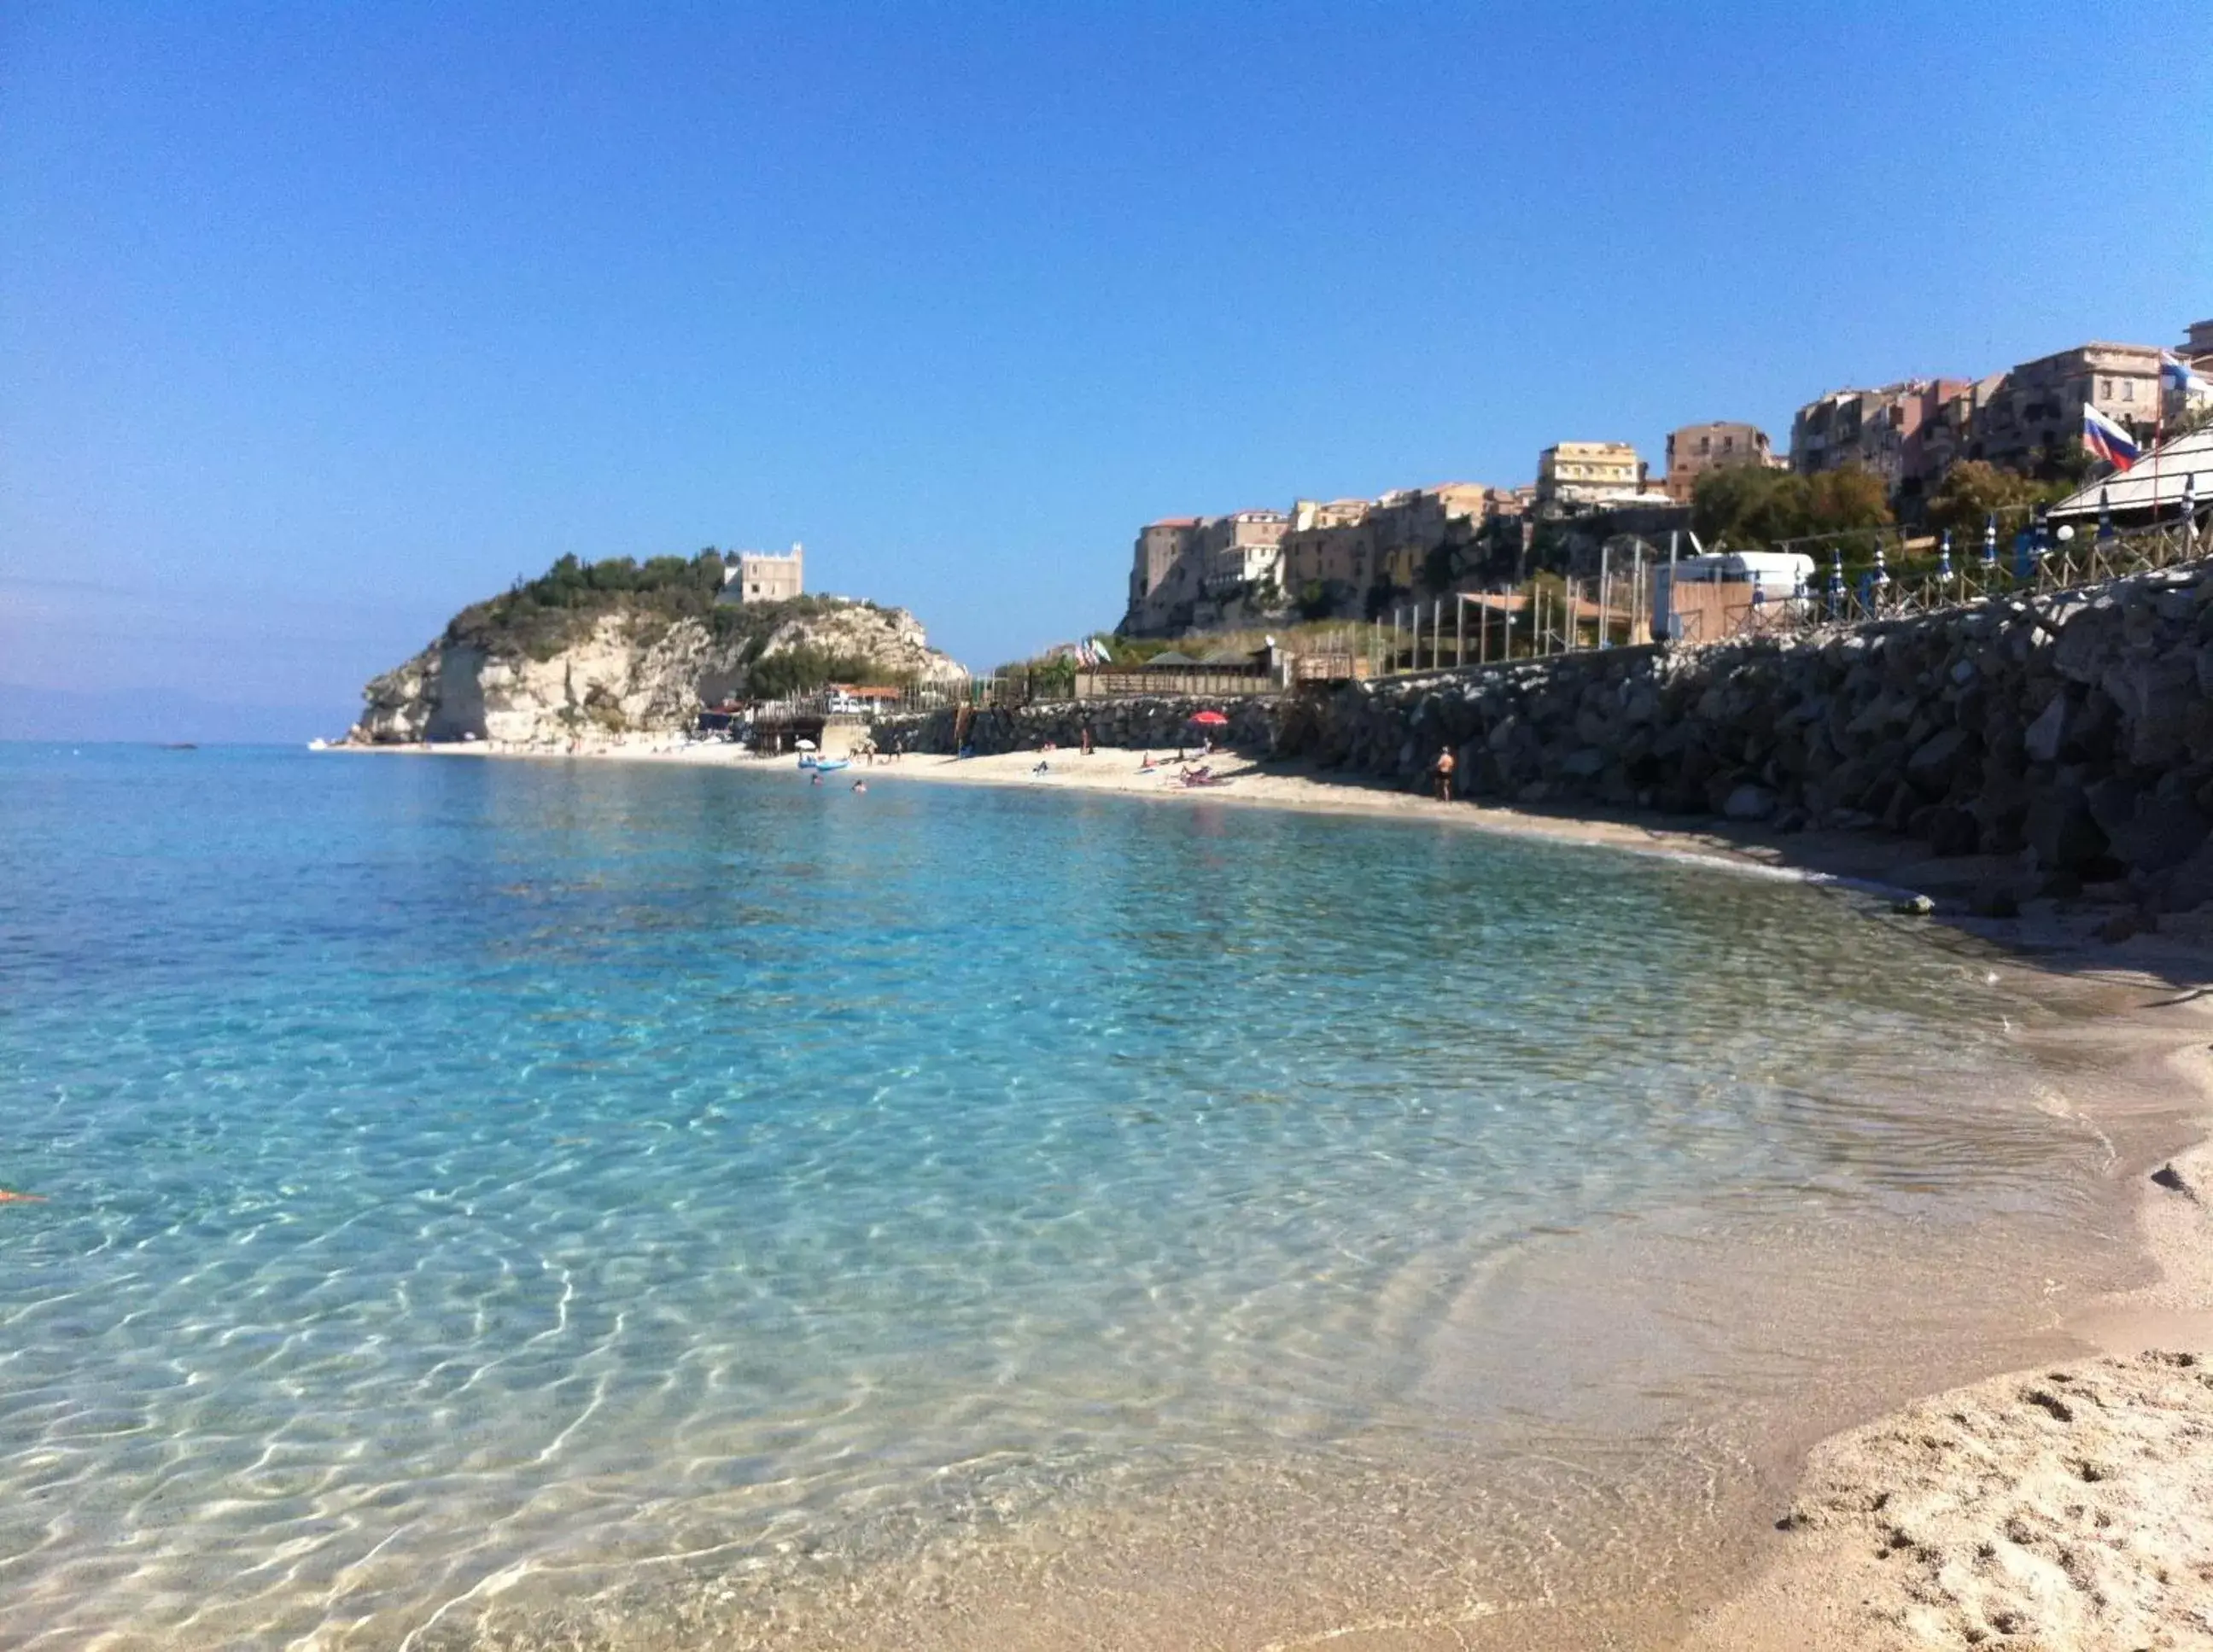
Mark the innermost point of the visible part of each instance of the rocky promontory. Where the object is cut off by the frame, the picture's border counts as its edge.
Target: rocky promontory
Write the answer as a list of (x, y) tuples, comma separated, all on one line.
[(614, 649)]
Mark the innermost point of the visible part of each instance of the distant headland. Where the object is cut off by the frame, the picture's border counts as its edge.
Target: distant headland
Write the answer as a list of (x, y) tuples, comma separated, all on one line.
[(609, 648)]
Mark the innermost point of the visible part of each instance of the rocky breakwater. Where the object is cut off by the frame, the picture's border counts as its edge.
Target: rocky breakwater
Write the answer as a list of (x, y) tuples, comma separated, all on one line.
[(1160, 722), (604, 664), (2073, 732)]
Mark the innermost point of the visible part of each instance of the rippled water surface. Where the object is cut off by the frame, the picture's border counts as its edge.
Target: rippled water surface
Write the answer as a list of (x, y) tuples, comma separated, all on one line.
[(473, 1183)]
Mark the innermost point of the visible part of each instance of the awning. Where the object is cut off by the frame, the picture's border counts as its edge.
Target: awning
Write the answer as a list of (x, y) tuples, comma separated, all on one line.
[(2157, 479)]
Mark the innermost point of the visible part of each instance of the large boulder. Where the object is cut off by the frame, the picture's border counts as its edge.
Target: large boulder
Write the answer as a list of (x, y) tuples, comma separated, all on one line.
[(2061, 833)]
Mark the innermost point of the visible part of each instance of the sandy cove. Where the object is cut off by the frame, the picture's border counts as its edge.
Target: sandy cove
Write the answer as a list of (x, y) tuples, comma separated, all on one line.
[(2065, 1507)]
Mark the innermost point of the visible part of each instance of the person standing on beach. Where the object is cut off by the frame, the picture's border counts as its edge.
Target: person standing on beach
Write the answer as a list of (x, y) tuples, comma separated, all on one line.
[(1443, 768)]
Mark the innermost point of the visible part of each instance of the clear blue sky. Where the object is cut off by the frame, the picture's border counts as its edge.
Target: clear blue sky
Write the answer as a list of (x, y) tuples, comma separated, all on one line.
[(317, 321)]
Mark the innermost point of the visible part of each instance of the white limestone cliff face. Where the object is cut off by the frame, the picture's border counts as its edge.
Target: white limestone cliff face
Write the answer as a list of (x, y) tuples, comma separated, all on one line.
[(893, 637), (628, 674)]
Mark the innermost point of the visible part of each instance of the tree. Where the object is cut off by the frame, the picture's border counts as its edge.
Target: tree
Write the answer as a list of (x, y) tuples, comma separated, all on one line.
[(1750, 504), (1850, 496), (1972, 490), (1753, 504), (2067, 462), (2189, 421), (800, 670)]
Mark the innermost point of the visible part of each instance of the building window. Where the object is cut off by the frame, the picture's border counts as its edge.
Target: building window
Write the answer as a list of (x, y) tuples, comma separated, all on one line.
[(2128, 389)]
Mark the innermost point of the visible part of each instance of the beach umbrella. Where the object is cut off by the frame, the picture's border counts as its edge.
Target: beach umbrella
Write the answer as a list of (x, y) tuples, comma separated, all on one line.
[(802, 745), (1211, 719)]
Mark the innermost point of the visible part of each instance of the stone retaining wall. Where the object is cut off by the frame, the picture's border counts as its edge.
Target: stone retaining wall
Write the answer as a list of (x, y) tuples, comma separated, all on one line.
[(2073, 732), (1160, 723)]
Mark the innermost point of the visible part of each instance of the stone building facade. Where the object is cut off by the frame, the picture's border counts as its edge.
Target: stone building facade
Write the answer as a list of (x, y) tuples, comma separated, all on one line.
[(1244, 548), (1330, 543), (2037, 408), (1695, 449), (1180, 562), (1571, 474), (1192, 571), (1164, 573), (762, 576), (1881, 429)]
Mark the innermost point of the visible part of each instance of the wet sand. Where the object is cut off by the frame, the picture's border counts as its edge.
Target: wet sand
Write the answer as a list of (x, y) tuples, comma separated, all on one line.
[(2066, 1504)]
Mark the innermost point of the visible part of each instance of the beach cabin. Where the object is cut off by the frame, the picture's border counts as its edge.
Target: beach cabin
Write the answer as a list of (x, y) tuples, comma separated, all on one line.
[(1721, 594), (861, 700)]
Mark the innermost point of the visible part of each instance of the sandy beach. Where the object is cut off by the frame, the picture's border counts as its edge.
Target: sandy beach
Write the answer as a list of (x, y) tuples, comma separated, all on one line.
[(2069, 1506)]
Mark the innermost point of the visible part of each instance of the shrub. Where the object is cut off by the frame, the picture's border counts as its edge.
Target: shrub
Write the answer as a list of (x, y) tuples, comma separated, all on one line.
[(539, 617), (802, 670)]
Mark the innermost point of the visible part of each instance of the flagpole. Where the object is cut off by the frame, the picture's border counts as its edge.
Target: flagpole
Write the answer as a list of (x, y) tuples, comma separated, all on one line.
[(2158, 433)]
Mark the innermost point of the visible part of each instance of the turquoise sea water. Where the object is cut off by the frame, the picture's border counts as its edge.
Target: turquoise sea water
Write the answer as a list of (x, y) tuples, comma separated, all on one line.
[(461, 1171)]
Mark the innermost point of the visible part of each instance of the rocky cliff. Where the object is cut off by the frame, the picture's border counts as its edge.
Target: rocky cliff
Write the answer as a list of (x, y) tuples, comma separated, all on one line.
[(631, 667)]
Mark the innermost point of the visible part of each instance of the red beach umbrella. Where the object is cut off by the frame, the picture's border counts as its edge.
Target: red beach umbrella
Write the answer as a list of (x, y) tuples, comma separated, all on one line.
[(1211, 719)]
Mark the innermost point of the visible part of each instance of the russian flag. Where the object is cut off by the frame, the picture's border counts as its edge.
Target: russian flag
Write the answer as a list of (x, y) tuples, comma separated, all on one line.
[(2108, 440)]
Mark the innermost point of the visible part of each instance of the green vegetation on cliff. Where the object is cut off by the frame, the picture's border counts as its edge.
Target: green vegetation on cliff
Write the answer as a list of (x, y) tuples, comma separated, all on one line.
[(1751, 504), (537, 619)]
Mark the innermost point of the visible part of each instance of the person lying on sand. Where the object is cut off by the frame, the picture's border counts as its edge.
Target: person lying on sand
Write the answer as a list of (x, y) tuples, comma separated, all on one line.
[(1147, 765)]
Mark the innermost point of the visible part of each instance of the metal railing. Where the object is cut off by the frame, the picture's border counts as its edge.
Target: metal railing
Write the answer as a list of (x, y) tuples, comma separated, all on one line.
[(2036, 564), (1553, 615)]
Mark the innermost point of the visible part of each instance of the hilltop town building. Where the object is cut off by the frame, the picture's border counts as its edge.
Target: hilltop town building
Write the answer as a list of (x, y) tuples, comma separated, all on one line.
[(1411, 522), (1186, 570), (2036, 410), (1349, 558), (1163, 560), (1180, 561), (1346, 547), (1881, 429), (1696, 449), (1330, 543), (1572, 474), (1242, 549), (760, 576)]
